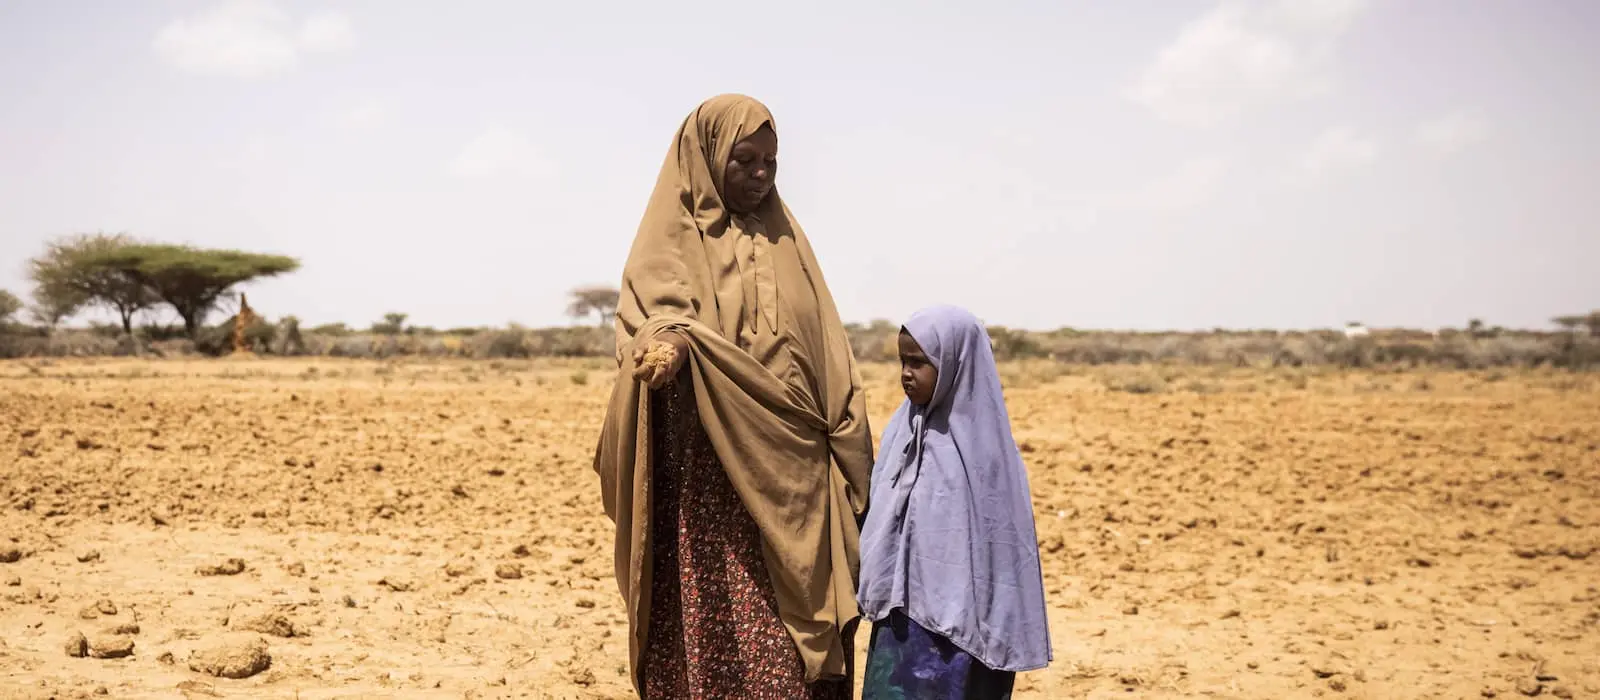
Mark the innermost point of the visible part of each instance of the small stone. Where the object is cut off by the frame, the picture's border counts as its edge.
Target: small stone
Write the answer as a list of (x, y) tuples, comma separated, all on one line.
[(227, 567), (582, 677), (1380, 625), (1131, 610), (111, 647), (272, 622), (295, 569), (348, 601), (10, 555), (14, 581), (1252, 665), (1488, 692), (166, 658), (101, 690), (1562, 692), (396, 584), (459, 568), (585, 603), (106, 607), (1530, 687), (1229, 615), (124, 628), (92, 555), (232, 656), (508, 571), (1336, 685), (77, 646)]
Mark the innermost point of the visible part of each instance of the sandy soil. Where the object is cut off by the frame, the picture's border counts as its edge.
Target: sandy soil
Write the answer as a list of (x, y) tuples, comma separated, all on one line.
[(434, 530)]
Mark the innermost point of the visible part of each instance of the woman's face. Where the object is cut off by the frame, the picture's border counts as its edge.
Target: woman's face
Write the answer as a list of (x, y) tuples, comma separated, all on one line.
[(751, 171), (918, 376)]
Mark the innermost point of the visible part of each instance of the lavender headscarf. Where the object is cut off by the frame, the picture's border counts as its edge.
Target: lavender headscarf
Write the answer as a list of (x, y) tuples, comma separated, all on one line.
[(949, 538)]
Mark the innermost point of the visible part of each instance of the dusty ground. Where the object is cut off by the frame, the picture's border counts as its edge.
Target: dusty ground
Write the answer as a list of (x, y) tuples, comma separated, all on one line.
[(434, 530)]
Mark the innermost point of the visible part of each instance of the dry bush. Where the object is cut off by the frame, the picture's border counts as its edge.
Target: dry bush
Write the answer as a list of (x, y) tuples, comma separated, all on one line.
[(877, 342)]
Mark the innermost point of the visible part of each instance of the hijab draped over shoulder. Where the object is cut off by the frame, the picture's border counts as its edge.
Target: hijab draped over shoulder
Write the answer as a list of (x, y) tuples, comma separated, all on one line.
[(950, 541), (774, 380)]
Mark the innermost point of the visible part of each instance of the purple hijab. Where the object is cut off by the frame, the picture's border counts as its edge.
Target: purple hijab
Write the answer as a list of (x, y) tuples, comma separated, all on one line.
[(949, 538)]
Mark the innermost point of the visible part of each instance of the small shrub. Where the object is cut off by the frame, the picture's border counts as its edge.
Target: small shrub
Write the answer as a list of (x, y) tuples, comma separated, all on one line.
[(1137, 383), (508, 343)]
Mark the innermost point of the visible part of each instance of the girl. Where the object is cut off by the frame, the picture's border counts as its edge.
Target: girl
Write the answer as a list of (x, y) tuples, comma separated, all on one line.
[(950, 571)]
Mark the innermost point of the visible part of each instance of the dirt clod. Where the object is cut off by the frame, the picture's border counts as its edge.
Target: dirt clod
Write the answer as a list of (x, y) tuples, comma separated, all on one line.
[(266, 621), (231, 566), (111, 646), (77, 646), (231, 656), (398, 584)]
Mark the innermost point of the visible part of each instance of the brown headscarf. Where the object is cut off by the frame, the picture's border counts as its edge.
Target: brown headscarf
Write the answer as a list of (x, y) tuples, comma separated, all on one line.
[(774, 380)]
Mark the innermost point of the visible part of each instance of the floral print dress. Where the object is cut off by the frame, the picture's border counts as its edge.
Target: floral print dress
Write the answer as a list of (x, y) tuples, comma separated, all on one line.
[(714, 630)]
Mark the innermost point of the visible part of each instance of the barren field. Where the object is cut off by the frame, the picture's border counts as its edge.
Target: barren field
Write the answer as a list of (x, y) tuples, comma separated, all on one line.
[(433, 529)]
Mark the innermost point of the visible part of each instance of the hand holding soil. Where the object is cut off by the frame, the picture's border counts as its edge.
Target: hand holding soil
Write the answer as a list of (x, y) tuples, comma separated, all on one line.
[(658, 362)]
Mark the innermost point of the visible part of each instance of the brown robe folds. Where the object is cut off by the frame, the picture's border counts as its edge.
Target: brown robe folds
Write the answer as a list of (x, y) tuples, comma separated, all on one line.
[(775, 383)]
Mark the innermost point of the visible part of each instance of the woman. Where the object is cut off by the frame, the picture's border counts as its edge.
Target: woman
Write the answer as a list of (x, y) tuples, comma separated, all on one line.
[(735, 453)]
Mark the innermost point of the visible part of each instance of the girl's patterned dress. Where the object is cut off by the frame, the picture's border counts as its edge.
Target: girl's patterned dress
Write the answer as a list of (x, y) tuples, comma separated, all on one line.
[(907, 662), (714, 626)]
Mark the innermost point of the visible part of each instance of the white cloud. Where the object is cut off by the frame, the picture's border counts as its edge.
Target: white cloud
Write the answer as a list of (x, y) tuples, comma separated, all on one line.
[(1453, 132), (327, 31), (497, 152), (1192, 184), (1338, 148), (362, 115), (1243, 55), (249, 39)]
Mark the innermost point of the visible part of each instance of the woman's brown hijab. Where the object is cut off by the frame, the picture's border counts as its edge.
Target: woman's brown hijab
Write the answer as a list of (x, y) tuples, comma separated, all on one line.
[(795, 444)]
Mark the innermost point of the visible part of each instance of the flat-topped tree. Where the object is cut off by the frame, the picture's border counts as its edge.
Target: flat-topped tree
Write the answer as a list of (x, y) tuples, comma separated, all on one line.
[(598, 300), (9, 306), (193, 279), (68, 276), (1573, 323)]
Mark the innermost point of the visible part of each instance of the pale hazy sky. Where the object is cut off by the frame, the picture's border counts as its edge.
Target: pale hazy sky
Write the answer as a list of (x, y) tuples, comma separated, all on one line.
[(1113, 164)]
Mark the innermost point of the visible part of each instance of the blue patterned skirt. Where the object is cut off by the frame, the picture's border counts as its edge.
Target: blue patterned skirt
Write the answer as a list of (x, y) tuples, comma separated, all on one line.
[(907, 662)]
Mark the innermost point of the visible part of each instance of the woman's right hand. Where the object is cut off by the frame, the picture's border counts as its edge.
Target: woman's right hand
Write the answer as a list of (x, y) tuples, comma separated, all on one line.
[(658, 362)]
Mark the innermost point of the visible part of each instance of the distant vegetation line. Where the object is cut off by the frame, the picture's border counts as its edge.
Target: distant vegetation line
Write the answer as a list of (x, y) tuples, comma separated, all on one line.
[(132, 278)]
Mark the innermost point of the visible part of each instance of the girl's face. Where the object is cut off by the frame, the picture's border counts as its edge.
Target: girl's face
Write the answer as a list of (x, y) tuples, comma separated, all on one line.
[(918, 376)]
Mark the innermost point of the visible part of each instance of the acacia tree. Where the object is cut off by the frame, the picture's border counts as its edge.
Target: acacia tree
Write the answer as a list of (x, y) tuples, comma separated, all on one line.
[(9, 306), (69, 276), (393, 323), (1573, 323), (191, 279), (594, 300)]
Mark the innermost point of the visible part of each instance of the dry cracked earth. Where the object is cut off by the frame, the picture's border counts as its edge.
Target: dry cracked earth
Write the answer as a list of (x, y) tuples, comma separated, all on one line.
[(335, 529)]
